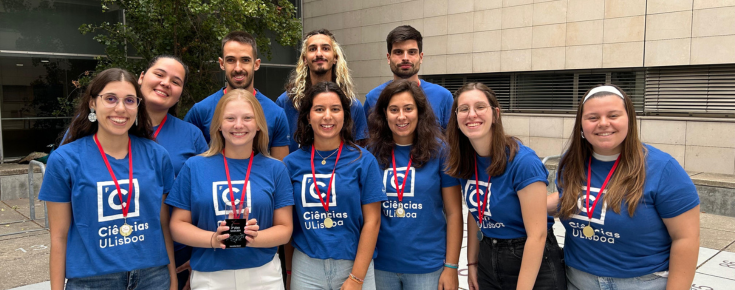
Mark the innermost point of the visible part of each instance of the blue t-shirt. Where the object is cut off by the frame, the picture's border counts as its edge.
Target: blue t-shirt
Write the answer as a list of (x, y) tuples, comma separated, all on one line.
[(359, 127), (181, 139), (625, 246), (201, 188), (278, 134), (357, 181), (502, 216), (76, 173), (416, 243), (439, 98)]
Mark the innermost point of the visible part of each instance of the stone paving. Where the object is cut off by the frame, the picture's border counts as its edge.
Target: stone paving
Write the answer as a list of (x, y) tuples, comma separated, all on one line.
[(24, 256)]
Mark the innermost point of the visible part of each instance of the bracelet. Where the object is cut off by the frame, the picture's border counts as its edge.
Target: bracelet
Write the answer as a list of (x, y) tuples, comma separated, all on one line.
[(210, 240), (471, 264), (451, 266), (357, 280), (288, 272)]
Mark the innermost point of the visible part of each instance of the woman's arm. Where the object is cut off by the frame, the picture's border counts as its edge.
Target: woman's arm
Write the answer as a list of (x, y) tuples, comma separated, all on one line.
[(684, 232), (533, 202), (366, 246), (169, 243), (473, 249), (552, 203), (59, 218), (183, 231), (274, 236), (452, 198)]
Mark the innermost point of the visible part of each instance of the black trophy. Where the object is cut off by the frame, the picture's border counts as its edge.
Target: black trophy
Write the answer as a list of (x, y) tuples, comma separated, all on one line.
[(237, 233)]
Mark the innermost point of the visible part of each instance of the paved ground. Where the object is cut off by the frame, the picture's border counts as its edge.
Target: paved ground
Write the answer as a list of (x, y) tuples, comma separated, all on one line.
[(24, 256)]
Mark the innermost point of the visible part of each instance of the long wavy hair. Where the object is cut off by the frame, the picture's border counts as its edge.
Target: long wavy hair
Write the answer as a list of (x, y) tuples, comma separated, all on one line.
[(299, 80), (426, 137), (174, 110), (626, 185), (81, 126), (217, 143), (503, 148), (304, 135)]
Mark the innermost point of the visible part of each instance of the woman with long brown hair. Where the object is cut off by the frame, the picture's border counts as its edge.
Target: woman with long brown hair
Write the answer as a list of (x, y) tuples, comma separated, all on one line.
[(236, 179), (105, 189), (338, 192), (510, 243), (646, 227), (422, 199)]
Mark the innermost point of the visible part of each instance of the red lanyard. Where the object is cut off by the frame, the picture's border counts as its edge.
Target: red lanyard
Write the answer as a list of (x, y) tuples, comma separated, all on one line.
[(480, 207), (604, 184), (244, 185), (325, 203), (155, 135), (125, 205), (402, 188)]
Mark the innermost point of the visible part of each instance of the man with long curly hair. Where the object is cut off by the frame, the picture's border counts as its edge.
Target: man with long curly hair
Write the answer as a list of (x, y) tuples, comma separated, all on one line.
[(321, 60)]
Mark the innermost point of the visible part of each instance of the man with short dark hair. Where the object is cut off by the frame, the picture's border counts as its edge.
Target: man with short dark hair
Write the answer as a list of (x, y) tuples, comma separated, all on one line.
[(240, 61), (405, 55), (321, 60)]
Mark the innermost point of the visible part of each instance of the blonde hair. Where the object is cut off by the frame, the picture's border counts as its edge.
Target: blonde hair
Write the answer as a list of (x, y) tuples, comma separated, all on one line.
[(300, 81), (217, 143)]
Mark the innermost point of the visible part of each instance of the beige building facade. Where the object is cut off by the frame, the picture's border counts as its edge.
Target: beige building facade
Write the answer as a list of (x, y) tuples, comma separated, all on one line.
[(466, 38)]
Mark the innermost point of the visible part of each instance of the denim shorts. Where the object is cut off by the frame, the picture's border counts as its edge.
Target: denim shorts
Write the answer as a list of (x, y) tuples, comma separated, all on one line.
[(578, 279), (142, 279), (499, 263), (385, 280), (309, 273)]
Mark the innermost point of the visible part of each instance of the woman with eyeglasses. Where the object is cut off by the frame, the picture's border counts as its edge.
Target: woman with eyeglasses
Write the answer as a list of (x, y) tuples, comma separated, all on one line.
[(105, 190), (510, 242), (162, 84), (421, 223)]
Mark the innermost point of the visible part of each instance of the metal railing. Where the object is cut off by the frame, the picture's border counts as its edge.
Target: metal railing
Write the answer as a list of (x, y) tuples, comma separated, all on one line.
[(31, 203), (552, 178)]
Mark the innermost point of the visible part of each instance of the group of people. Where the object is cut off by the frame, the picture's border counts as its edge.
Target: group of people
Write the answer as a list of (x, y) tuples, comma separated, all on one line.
[(361, 197)]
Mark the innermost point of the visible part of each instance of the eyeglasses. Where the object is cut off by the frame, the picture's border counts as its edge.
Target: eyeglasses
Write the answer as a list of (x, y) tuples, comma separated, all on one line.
[(111, 101), (464, 110)]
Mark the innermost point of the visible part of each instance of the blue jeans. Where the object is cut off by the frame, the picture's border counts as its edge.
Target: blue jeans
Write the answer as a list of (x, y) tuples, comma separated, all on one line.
[(308, 273), (578, 279), (385, 280), (499, 263), (141, 279)]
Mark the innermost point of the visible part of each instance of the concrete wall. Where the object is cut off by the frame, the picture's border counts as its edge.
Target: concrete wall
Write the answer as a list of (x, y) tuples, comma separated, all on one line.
[(699, 145)]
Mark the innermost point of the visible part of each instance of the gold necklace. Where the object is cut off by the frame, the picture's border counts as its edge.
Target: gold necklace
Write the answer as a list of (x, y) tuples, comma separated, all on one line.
[(324, 159)]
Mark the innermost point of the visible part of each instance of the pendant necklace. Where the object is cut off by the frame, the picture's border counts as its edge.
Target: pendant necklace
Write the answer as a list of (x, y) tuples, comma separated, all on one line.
[(328, 222)]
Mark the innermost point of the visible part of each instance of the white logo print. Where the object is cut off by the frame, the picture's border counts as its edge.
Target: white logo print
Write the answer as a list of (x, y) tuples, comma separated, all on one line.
[(389, 179), (309, 197), (582, 205), (109, 206), (221, 196), (471, 198)]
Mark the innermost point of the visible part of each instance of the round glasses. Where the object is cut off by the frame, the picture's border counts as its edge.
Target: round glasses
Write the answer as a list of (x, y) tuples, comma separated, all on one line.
[(464, 110), (111, 101)]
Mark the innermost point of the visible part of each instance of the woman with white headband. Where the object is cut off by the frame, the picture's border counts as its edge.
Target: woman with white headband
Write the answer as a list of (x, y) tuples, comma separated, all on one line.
[(630, 211)]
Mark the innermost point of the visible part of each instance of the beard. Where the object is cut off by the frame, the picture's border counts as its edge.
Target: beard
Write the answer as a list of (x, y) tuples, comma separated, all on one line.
[(405, 73), (245, 84)]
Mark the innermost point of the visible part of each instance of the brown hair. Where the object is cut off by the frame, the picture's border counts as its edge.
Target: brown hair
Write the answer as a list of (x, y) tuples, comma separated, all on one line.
[(503, 148), (174, 110), (630, 175), (403, 33), (304, 135), (81, 126), (260, 142), (426, 137), (243, 38)]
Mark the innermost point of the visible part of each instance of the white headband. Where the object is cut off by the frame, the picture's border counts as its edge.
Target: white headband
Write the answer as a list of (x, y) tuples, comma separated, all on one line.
[(607, 89)]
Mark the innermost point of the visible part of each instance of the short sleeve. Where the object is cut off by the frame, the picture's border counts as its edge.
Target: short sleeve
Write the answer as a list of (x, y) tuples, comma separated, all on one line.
[(446, 108), (675, 193), (527, 170), (282, 135), (57, 184), (372, 189), (193, 117), (167, 171), (180, 194), (200, 144), (281, 100), (369, 99), (284, 189), (359, 128), (446, 180)]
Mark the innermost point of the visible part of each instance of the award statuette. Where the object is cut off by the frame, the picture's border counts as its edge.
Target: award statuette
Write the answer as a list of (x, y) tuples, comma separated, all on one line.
[(237, 233), (238, 221)]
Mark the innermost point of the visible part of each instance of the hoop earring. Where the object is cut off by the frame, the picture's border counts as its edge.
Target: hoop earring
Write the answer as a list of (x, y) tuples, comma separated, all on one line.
[(92, 117)]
